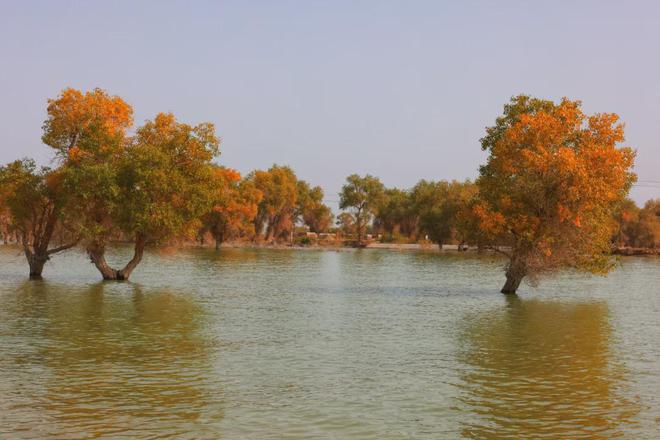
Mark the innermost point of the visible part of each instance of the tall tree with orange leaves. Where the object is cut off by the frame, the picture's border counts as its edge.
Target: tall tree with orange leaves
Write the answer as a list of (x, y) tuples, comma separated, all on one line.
[(550, 187), (277, 209), (235, 203)]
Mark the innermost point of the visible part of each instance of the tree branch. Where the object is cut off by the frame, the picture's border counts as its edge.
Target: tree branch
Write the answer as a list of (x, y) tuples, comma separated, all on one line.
[(63, 247)]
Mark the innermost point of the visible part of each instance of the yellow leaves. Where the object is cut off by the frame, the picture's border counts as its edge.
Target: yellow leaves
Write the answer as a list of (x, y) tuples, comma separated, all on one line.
[(53, 180), (490, 221), (553, 178), (74, 154), (226, 174), (191, 145), (233, 175), (577, 221), (86, 121), (564, 213)]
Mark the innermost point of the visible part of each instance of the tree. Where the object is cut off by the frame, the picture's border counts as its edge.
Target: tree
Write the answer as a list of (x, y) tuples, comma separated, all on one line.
[(637, 227), (5, 223), (148, 188), (85, 124), (552, 182), (163, 186), (442, 221), (277, 208), (88, 132), (37, 200), (362, 195), (394, 212), (627, 220), (34, 202), (319, 218), (310, 208), (234, 206), (648, 225), (346, 224)]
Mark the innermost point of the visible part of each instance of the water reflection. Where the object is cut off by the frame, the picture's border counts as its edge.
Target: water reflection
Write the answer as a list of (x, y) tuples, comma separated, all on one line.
[(541, 369), (108, 362)]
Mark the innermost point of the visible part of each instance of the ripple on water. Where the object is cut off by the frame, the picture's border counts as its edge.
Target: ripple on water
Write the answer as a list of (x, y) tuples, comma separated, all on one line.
[(288, 344)]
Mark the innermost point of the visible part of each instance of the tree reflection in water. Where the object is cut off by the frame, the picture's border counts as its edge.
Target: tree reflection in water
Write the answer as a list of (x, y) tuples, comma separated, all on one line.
[(542, 369), (121, 362)]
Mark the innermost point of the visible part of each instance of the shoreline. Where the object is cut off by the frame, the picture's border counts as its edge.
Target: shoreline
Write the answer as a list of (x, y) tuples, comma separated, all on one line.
[(400, 247), (426, 247)]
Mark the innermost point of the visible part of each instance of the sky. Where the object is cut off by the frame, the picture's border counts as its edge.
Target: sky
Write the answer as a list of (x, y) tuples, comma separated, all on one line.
[(402, 90)]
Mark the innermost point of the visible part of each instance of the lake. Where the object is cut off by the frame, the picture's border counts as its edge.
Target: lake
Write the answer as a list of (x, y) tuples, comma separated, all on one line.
[(365, 344)]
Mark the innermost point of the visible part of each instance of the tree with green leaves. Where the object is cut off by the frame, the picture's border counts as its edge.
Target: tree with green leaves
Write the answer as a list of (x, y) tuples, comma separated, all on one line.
[(147, 188), (439, 205), (35, 201), (163, 185), (346, 224), (310, 209), (394, 214), (361, 195)]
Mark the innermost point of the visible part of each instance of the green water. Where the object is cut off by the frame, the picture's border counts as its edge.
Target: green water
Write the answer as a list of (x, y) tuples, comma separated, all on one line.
[(260, 344)]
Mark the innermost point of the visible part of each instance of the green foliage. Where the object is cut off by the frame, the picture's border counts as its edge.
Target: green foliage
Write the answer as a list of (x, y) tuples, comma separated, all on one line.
[(346, 224), (394, 214), (287, 201), (34, 201), (310, 208), (164, 179), (304, 241), (362, 195)]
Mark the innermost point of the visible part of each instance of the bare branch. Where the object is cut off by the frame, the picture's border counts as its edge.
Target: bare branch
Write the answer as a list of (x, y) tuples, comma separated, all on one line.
[(63, 247)]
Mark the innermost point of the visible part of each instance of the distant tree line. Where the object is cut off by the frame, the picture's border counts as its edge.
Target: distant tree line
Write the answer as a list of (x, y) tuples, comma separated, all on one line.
[(552, 193), (638, 227)]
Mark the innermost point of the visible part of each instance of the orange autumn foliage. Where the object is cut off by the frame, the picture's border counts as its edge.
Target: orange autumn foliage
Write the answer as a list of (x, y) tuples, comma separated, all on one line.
[(551, 184), (234, 208), (90, 122)]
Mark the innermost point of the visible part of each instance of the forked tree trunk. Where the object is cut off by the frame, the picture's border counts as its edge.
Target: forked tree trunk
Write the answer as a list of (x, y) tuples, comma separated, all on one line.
[(96, 252), (514, 276)]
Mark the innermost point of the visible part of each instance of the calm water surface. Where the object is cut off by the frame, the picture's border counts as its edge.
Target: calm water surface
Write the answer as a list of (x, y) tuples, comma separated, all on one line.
[(260, 344)]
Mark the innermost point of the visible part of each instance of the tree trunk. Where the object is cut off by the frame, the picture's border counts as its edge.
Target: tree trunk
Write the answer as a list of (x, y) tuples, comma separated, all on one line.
[(514, 276), (36, 263), (219, 238), (511, 285), (270, 230), (96, 252)]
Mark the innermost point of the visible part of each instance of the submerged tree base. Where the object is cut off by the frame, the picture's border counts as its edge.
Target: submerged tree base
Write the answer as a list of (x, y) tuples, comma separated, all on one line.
[(96, 252), (511, 285), (36, 261)]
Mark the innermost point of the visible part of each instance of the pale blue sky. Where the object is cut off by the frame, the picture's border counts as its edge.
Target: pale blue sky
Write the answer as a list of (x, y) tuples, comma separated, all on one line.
[(399, 89)]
